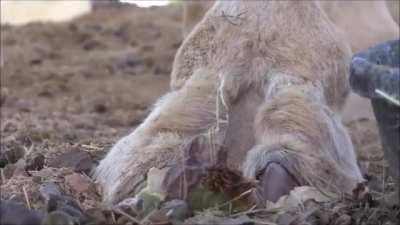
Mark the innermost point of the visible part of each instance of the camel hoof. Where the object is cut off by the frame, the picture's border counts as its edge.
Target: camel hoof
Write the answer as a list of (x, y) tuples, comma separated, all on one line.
[(277, 178)]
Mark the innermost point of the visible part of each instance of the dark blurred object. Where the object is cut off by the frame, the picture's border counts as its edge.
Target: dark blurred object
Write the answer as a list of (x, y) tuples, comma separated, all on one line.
[(35, 162), (96, 4), (14, 213), (63, 209), (375, 75)]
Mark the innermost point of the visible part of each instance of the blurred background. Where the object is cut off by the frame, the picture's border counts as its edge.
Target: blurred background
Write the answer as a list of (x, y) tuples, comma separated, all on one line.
[(20, 12), (79, 73)]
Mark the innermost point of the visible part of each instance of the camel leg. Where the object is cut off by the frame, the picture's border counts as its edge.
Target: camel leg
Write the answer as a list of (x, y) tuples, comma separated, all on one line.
[(157, 142), (300, 141)]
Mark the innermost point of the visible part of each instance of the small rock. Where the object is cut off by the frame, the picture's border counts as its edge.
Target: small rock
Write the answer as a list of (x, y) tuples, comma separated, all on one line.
[(148, 62), (159, 70), (78, 183), (96, 216), (100, 108), (4, 93), (158, 217), (9, 126), (176, 44), (128, 61), (3, 160), (135, 203), (48, 189), (39, 136), (360, 191), (23, 105), (79, 161), (13, 154), (127, 221), (35, 162), (374, 183), (59, 218), (20, 168), (9, 170), (45, 93), (209, 218), (35, 61), (36, 179), (391, 200), (73, 27), (343, 219), (286, 218), (62, 202), (176, 209), (147, 48), (91, 44), (67, 205)]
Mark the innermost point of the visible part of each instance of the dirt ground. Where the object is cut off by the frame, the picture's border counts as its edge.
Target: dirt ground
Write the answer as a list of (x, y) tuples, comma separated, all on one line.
[(87, 81), (80, 86)]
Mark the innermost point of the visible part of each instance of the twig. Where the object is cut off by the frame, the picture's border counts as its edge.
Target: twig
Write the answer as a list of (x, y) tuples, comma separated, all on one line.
[(26, 197), (387, 97), (120, 211), (113, 217), (304, 216), (235, 198), (227, 17), (91, 147), (243, 212), (145, 220), (184, 183), (212, 145), (252, 210), (28, 151), (1, 56), (383, 179), (3, 177), (374, 211), (263, 222)]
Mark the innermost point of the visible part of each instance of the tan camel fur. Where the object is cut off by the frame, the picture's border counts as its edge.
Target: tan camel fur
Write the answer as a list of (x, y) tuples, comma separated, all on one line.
[(278, 70), (363, 23)]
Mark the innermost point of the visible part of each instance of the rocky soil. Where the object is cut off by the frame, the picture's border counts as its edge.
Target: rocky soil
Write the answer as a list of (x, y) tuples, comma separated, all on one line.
[(70, 90)]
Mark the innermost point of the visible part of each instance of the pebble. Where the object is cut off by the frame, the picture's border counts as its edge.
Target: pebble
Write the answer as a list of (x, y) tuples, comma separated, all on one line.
[(9, 170), (78, 183), (20, 168), (79, 161), (48, 189), (176, 209), (35, 162), (11, 155)]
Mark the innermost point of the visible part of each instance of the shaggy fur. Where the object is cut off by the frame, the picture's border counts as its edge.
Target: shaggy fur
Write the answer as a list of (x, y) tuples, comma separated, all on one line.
[(285, 63), (362, 23)]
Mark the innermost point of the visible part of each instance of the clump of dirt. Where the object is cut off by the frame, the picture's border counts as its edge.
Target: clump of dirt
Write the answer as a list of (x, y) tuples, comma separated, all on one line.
[(70, 90)]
